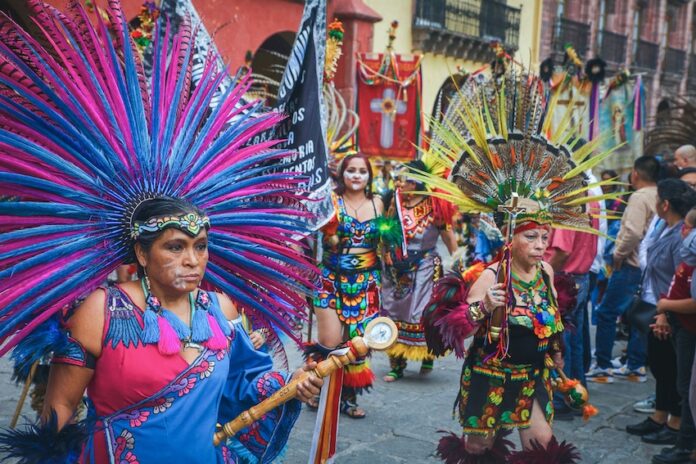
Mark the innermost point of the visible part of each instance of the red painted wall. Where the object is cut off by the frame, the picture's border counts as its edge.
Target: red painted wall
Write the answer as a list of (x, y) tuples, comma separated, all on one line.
[(241, 25), (237, 25)]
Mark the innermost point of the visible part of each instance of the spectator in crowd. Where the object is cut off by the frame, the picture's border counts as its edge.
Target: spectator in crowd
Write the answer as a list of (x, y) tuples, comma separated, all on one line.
[(596, 269), (685, 157), (626, 276), (675, 199), (680, 307)]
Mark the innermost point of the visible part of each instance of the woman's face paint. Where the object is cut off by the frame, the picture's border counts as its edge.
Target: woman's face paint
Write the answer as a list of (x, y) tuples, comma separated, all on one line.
[(356, 175)]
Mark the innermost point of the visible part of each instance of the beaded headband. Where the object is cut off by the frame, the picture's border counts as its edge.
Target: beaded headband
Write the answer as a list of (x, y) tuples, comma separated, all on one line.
[(191, 223)]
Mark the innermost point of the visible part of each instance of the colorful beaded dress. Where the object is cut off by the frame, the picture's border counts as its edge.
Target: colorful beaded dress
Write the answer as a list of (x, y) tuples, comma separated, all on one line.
[(351, 275), (506, 150), (498, 394)]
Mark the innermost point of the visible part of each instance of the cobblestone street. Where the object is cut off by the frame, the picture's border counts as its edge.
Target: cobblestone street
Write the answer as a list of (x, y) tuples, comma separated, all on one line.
[(404, 418)]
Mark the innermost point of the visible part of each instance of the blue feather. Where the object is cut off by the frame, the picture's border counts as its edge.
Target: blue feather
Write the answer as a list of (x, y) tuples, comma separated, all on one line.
[(40, 343), (65, 249), (48, 230), (44, 444)]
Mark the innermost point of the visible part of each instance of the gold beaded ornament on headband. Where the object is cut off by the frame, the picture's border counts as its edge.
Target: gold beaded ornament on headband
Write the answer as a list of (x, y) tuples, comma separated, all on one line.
[(191, 223)]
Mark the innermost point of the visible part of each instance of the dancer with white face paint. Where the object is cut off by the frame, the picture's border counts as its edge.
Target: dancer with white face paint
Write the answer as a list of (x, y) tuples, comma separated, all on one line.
[(350, 274)]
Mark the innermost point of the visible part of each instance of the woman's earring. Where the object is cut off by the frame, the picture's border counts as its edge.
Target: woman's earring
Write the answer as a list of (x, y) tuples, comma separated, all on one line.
[(147, 281)]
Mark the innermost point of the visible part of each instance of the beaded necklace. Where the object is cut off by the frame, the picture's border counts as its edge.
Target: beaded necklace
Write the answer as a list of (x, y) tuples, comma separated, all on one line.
[(543, 314), (207, 328)]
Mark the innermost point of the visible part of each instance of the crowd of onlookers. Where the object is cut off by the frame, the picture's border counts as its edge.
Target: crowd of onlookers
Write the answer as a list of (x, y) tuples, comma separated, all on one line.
[(639, 280)]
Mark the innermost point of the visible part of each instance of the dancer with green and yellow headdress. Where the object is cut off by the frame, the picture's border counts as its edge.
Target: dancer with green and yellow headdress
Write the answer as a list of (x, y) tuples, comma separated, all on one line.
[(505, 155)]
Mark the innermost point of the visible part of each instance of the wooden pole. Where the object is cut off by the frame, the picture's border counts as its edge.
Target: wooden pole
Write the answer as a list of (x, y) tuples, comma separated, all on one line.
[(357, 349), (23, 396), (499, 314), (315, 249)]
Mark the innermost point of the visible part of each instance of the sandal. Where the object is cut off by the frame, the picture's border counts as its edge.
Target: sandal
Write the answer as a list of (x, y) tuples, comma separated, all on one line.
[(313, 403), (393, 375), (427, 366), (398, 365), (352, 410)]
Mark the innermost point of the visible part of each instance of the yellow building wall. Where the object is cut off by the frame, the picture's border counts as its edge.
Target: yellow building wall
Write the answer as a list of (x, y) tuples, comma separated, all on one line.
[(530, 32), (436, 69)]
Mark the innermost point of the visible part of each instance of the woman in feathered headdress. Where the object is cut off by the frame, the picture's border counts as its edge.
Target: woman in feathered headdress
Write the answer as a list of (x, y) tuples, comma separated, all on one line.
[(413, 265), (110, 168), (505, 156)]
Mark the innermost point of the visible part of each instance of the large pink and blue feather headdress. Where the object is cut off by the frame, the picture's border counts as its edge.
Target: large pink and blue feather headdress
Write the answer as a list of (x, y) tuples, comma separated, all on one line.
[(84, 137)]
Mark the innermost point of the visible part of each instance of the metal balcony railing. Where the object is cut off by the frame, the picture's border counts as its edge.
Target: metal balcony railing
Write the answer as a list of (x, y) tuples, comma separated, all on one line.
[(674, 60), (571, 32), (646, 55), (486, 19), (612, 47)]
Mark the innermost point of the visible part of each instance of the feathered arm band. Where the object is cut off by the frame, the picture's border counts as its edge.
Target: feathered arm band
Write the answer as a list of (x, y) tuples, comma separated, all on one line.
[(43, 443), (448, 320)]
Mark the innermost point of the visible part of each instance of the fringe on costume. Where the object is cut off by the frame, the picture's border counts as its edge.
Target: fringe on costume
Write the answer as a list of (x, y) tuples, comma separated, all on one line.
[(315, 351), (445, 322), (553, 453), (47, 338), (410, 352), (452, 450), (358, 376)]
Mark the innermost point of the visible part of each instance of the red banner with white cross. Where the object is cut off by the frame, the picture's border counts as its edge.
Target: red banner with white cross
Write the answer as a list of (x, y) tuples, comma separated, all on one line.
[(389, 105)]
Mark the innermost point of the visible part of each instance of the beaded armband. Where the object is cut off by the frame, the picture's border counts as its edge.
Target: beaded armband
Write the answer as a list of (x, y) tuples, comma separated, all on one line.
[(476, 312), (555, 345), (74, 354)]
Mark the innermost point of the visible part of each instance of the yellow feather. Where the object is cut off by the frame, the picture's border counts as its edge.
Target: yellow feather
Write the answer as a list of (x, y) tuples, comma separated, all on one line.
[(572, 193), (585, 199), (591, 162), (580, 154), (550, 109), (588, 229)]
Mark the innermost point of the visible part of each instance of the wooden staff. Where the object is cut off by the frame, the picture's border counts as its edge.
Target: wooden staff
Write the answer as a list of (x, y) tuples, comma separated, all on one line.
[(310, 323), (23, 396), (380, 334), (499, 314)]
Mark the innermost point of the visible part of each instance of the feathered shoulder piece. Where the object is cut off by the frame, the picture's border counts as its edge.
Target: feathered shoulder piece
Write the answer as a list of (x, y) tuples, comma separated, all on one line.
[(508, 136), (446, 320), (85, 137)]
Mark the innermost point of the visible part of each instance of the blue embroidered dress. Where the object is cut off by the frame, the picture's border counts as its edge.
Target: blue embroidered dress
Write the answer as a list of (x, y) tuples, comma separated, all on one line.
[(153, 408)]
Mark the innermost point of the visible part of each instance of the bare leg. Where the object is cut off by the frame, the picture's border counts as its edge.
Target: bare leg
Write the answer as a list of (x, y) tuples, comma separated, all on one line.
[(539, 429), (477, 444), (329, 328)]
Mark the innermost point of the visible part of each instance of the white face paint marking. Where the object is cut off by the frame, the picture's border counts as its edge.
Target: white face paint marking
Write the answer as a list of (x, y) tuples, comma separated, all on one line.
[(355, 180)]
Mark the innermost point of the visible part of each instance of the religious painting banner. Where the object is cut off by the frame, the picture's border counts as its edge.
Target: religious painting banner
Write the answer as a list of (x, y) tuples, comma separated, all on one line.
[(389, 105), (621, 119)]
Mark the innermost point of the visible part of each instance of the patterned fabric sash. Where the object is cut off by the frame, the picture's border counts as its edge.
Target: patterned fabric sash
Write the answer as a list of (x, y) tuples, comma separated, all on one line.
[(351, 262)]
